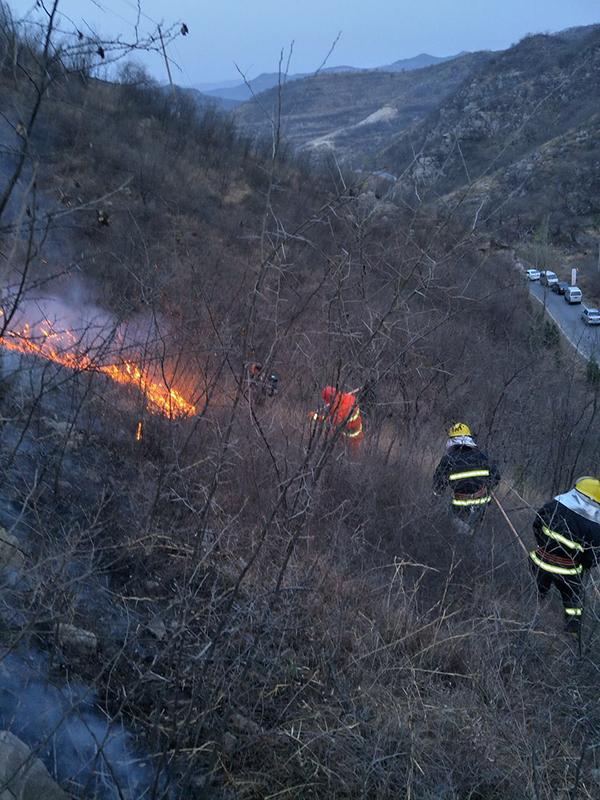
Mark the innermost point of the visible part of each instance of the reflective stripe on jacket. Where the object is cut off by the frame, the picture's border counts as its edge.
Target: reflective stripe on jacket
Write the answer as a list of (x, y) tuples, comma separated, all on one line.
[(343, 411), (354, 425), (564, 533), (554, 564), (470, 501), (472, 473), (468, 473)]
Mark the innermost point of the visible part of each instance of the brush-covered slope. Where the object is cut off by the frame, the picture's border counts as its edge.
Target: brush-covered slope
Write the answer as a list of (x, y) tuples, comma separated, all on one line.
[(354, 114), (518, 140)]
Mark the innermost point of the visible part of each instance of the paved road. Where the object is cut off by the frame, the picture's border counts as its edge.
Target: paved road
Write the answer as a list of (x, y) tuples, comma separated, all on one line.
[(585, 338)]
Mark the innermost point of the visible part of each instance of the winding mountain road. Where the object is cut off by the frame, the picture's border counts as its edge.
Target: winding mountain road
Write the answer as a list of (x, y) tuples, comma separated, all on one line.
[(584, 338)]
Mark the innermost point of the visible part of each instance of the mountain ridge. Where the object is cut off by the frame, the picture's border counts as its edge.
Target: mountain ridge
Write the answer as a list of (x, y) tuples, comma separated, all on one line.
[(241, 92)]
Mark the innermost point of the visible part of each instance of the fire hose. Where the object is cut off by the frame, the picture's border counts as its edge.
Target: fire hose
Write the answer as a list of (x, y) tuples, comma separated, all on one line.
[(510, 525)]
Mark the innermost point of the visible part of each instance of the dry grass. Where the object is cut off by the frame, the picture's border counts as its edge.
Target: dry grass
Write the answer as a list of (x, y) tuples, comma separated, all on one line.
[(276, 620)]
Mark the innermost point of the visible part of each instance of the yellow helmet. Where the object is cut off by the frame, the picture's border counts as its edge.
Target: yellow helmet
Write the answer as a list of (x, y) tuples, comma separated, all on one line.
[(589, 486), (459, 429)]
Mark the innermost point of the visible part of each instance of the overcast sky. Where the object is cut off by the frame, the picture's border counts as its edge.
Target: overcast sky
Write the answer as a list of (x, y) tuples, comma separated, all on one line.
[(251, 33)]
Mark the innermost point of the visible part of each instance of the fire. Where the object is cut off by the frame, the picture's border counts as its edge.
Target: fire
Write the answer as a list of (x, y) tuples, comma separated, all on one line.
[(65, 348), (139, 431)]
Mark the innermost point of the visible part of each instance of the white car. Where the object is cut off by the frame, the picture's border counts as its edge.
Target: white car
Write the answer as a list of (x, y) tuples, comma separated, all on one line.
[(573, 295), (548, 278), (591, 316), (533, 274)]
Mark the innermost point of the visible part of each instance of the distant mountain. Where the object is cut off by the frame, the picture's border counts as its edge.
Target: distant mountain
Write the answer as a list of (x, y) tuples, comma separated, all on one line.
[(203, 100), (241, 92), (209, 87), (418, 62), (355, 114)]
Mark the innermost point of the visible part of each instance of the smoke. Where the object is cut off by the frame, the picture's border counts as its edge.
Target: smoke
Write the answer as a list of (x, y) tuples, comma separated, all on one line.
[(78, 324), (76, 334), (92, 756)]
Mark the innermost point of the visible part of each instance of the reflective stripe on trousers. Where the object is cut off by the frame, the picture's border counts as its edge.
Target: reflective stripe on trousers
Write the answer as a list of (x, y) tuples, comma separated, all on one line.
[(573, 612)]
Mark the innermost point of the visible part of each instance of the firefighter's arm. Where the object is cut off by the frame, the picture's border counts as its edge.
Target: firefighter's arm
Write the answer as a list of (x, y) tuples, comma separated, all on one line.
[(545, 516)]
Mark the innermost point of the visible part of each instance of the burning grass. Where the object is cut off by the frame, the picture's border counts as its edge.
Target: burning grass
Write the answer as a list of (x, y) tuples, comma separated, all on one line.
[(74, 351)]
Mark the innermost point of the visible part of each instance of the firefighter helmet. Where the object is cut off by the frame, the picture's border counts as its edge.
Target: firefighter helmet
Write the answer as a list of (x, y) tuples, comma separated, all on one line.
[(590, 487), (328, 394), (459, 429)]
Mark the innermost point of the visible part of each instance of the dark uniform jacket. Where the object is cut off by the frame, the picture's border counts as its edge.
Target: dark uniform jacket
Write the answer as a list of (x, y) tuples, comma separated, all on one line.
[(567, 529), (467, 470)]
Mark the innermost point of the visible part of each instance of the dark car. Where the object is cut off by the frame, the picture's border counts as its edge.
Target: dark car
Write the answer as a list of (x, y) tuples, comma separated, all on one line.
[(559, 288)]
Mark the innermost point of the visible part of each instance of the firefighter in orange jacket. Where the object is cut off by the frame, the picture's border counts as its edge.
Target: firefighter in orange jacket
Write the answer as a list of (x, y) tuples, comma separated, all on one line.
[(342, 411)]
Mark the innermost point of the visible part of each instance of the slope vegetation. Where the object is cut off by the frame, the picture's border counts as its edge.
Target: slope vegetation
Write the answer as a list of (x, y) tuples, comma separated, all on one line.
[(354, 114), (517, 141), (267, 617)]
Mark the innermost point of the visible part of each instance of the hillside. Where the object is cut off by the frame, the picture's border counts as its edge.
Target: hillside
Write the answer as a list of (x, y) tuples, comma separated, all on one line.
[(518, 140), (206, 594), (353, 115), (507, 138)]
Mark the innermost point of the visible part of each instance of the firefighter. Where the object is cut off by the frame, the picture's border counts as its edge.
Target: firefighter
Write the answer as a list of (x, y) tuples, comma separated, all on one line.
[(342, 411), (272, 384), (254, 370), (567, 532), (466, 470), (263, 384)]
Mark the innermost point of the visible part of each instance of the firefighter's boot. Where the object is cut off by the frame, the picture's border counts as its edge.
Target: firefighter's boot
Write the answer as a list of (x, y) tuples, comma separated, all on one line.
[(573, 626)]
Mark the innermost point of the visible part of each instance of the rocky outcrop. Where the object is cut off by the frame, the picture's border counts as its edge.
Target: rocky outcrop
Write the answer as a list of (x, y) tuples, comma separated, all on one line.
[(518, 141), (12, 556), (77, 641), (558, 182), (22, 775)]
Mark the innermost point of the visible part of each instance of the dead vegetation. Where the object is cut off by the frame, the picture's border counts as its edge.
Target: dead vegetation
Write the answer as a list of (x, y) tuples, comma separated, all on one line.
[(271, 619)]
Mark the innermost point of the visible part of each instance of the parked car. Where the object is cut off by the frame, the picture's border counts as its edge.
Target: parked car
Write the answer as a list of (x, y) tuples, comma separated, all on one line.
[(573, 295), (548, 278), (533, 274), (591, 316), (560, 287)]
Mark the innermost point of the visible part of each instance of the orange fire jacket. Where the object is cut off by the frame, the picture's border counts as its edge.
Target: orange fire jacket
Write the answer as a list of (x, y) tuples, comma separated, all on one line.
[(342, 410)]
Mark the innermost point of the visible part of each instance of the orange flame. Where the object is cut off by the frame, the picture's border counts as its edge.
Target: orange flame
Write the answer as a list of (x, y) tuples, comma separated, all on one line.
[(139, 431), (61, 347)]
